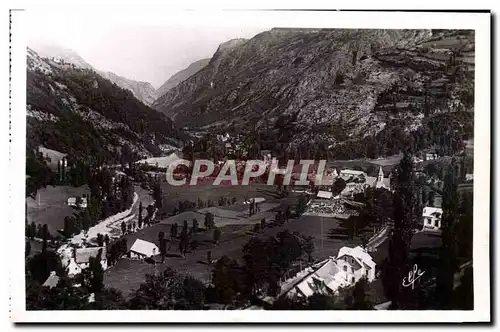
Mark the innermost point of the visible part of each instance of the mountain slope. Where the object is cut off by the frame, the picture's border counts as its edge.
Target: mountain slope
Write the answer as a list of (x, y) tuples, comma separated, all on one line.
[(181, 76), (143, 91), (330, 87), (76, 111)]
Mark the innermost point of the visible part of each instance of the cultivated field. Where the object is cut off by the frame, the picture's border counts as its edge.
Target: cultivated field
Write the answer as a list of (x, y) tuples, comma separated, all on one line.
[(50, 206)]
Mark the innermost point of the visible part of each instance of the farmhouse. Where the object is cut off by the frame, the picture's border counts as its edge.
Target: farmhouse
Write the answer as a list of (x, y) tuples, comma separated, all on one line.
[(72, 201), (81, 257), (432, 217), (143, 249)]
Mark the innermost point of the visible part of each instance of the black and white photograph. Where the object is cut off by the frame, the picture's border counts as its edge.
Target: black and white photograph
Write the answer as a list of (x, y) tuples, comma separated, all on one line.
[(250, 166)]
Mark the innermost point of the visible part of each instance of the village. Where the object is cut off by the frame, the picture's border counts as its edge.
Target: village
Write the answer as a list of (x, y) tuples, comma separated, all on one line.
[(242, 213)]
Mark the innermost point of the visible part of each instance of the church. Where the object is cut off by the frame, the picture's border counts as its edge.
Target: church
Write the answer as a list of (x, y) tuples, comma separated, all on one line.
[(379, 181)]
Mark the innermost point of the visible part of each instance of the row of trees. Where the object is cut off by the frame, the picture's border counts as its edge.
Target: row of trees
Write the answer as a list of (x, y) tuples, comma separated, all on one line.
[(264, 263), (456, 239)]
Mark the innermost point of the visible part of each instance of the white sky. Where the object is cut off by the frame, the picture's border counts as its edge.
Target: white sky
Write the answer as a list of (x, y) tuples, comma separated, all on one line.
[(138, 45)]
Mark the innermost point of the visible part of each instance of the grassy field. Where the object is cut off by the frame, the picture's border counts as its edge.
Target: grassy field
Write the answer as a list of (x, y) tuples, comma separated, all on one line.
[(370, 166), (50, 207), (128, 275), (206, 191)]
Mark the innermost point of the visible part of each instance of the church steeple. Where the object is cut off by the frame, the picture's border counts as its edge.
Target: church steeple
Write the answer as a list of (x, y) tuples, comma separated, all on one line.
[(380, 175)]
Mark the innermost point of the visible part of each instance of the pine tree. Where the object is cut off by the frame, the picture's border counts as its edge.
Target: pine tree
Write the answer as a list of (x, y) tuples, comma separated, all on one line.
[(139, 220), (448, 259), (406, 219)]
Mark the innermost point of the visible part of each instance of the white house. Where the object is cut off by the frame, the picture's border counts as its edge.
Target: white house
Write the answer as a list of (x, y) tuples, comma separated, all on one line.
[(350, 265), (143, 249), (355, 263), (325, 194), (72, 202), (81, 257), (348, 173), (432, 217)]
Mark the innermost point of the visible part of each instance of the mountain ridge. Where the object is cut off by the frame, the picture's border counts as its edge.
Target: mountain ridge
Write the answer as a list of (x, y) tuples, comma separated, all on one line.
[(78, 112), (327, 86), (143, 91)]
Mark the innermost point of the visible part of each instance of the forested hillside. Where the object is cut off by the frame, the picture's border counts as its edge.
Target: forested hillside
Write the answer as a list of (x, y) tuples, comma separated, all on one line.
[(78, 112)]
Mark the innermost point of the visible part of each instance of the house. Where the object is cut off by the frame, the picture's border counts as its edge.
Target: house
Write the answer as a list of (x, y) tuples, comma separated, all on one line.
[(143, 249), (266, 155), (432, 217), (431, 156), (72, 201), (350, 265), (325, 194), (322, 280), (355, 263), (52, 280), (81, 258), (346, 174)]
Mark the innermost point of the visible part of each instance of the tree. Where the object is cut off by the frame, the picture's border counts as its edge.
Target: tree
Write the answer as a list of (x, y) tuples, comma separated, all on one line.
[(42, 264), (359, 297), (162, 243), (263, 223), (227, 280), (309, 247), (97, 273), (139, 220), (338, 186), (168, 291), (157, 195), (301, 205), (217, 234), (448, 253), (320, 302), (45, 237), (406, 219), (27, 249), (173, 231), (123, 227), (195, 226), (184, 240), (209, 221)]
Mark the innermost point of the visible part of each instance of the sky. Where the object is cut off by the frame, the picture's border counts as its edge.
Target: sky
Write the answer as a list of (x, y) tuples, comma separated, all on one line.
[(136, 47)]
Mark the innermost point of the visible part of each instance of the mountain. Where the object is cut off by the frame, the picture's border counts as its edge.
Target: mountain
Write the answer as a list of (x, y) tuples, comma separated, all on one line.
[(181, 76), (61, 54), (78, 112), (359, 92), (143, 91)]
